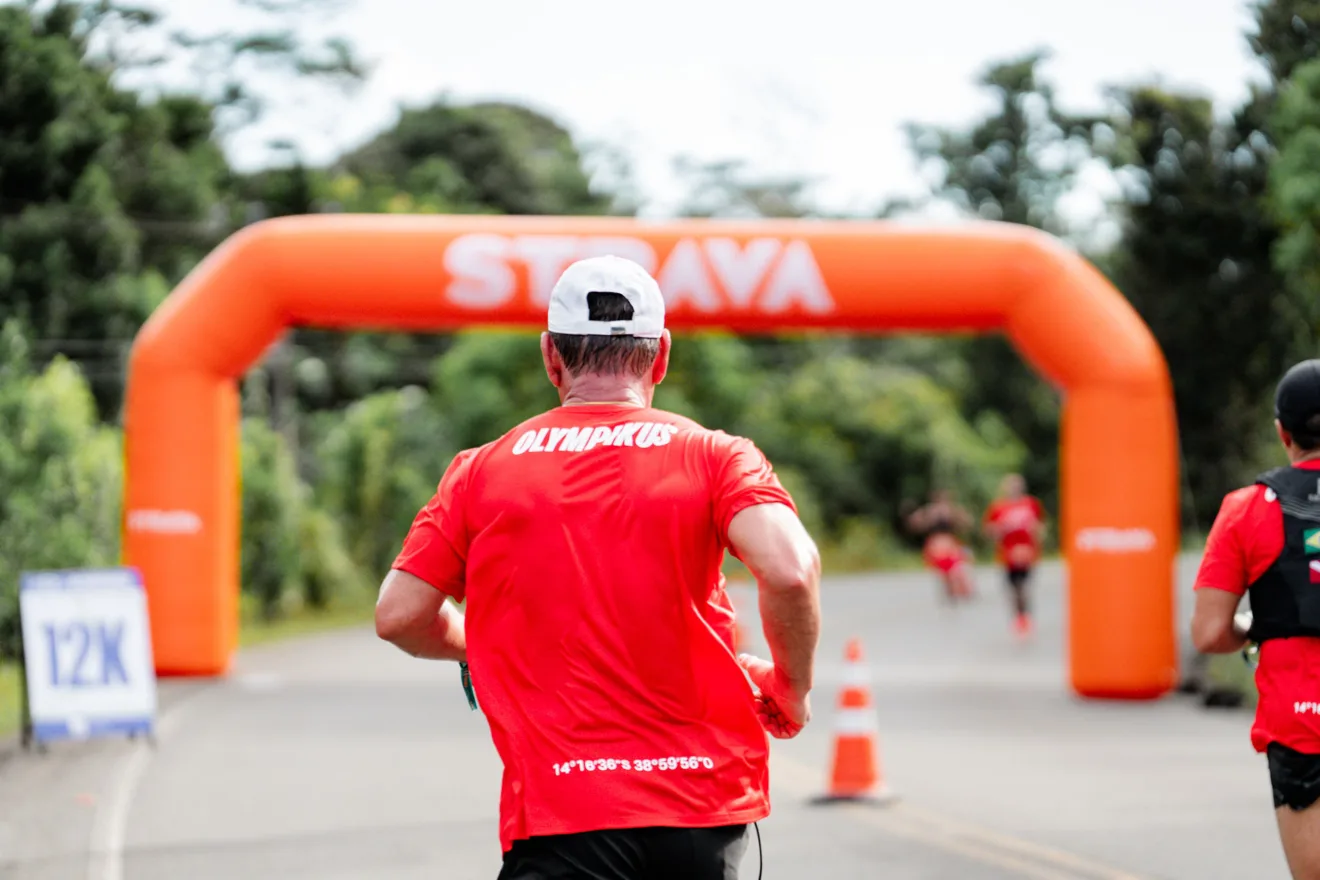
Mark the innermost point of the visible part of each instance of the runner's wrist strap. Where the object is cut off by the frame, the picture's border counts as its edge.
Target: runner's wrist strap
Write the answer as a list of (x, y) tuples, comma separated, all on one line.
[(466, 678)]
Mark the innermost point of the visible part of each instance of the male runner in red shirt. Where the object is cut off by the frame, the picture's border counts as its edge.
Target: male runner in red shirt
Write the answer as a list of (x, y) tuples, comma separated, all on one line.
[(1265, 543), (587, 543), (1016, 521)]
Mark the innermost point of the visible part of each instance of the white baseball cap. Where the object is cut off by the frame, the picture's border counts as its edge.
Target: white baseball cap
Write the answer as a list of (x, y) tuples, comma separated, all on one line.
[(570, 314)]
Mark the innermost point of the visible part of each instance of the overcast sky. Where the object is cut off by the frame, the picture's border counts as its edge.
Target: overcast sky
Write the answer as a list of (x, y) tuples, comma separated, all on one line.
[(819, 88)]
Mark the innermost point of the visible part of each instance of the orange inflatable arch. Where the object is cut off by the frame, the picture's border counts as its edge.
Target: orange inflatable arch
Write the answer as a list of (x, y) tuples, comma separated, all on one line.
[(1119, 460)]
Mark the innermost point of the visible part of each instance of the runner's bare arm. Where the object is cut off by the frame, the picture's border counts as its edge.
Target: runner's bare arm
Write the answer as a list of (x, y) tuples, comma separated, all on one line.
[(772, 542), (1214, 630), (412, 615)]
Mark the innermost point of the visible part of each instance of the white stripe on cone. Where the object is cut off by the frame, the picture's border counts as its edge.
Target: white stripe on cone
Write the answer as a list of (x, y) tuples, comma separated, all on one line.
[(855, 721), (856, 675)]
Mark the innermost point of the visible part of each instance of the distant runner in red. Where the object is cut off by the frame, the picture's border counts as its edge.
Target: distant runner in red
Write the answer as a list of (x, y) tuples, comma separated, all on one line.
[(1015, 521), (587, 544), (941, 521), (1265, 543)]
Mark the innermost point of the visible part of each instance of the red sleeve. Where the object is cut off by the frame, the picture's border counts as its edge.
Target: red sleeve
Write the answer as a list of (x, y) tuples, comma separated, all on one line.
[(1233, 556), (743, 478), (1038, 508), (437, 544), (992, 513)]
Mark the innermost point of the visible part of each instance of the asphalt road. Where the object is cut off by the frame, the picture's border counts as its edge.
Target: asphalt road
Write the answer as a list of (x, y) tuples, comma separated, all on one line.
[(338, 757)]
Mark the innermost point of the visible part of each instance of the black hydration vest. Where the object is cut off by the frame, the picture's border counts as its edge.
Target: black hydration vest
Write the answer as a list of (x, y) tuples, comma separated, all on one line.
[(941, 526), (1285, 600)]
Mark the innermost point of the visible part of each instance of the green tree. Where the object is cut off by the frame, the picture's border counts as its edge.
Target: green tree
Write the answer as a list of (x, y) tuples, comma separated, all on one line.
[(868, 436), (293, 550), (1195, 263), (1011, 166), (102, 196), (273, 501), (376, 468), (489, 382), (61, 473), (1287, 35), (712, 378), (236, 70), (1016, 163), (1294, 198), (481, 158), (1199, 255)]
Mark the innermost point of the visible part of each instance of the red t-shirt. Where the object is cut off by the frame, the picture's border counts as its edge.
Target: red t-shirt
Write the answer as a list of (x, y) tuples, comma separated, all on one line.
[(1015, 521), (1246, 538), (588, 543)]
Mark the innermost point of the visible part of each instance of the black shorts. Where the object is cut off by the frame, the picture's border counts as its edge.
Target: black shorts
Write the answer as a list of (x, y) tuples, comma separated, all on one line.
[(1294, 776), (1017, 575), (630, 854)]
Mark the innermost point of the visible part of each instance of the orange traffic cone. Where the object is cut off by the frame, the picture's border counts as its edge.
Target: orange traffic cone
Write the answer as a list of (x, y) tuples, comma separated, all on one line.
[(739, 639), (739, 633), (855, 772)]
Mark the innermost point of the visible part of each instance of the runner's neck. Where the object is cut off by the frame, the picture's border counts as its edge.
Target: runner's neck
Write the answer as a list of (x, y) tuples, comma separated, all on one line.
[(605, 391)]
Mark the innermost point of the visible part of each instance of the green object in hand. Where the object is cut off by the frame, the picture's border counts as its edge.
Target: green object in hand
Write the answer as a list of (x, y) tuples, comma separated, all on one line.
[(467, 685)]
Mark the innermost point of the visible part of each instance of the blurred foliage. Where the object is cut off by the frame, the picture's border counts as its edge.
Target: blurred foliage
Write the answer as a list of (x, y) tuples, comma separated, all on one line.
[(1017, 162), (493, 158), (293, 551), (1200, 256), (377, 466), (1012, 166), (273, 499), (1287, 35), (1294, 196), (488, 382), (102, 194), (112, 187), (1195, 262), (61, 470), (868, 436), (263, 42)]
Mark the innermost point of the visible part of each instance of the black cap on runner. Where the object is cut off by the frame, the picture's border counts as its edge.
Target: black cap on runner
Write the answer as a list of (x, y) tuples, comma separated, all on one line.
[(1297, 398)]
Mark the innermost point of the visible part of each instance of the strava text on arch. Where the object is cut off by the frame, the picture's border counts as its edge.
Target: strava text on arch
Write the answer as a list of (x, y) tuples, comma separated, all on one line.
[(709, 274)]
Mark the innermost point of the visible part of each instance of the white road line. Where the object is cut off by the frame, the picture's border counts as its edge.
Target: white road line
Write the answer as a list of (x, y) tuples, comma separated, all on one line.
[(1027, 859), (105, 851), (1038, 851)]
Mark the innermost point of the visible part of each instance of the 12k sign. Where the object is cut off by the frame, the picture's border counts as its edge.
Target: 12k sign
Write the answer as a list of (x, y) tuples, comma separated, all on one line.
[(87, 647)]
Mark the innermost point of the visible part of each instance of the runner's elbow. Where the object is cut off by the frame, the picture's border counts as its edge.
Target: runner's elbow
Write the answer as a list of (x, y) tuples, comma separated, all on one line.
[(798, 572), (1209, 636), (394, 621)]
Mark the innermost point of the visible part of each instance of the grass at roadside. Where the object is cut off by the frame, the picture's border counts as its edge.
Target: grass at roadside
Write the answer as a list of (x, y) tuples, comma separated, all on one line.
[(9, 710), (354, 610), (253, 630)]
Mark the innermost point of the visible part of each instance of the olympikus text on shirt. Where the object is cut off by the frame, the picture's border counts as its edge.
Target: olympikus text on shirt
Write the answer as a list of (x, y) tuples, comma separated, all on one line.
[(642, 435)]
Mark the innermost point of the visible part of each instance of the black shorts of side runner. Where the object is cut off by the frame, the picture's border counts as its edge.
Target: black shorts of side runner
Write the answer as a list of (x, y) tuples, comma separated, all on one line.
[(630, 854), (1294, 776)]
